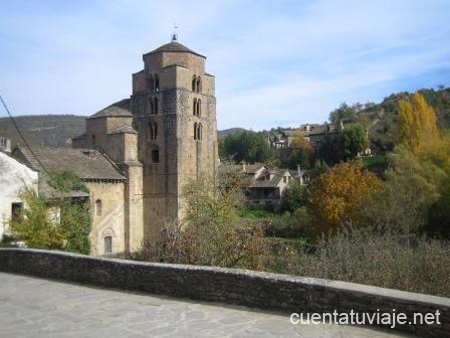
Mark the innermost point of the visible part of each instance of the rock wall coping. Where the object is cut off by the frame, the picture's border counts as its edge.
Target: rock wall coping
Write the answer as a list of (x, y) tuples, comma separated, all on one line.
[(243, 287)]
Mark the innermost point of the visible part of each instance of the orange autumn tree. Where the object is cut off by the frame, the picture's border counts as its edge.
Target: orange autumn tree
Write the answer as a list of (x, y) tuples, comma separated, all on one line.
[(336, 199), (417, 123)]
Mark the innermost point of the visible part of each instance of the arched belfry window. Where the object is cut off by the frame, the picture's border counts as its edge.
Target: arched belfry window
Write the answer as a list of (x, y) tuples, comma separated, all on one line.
[(200, 131), (194, 83), (199, 84), (153, 130), (195, 131), (156, 83), (151, 84), (152, 108), (150, 129), (155, 153), (194, 107), (199, 107), (98, 207), (156, 106)]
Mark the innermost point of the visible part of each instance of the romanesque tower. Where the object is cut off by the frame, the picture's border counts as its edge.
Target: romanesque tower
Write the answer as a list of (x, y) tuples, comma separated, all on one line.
[(174, 110)]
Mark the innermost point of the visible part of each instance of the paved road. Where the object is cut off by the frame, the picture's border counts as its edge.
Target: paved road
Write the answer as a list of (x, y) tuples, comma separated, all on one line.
[(32, 307)]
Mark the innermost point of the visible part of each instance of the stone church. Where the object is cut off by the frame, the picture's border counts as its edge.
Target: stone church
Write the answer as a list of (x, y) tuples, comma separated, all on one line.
[(159, 139)]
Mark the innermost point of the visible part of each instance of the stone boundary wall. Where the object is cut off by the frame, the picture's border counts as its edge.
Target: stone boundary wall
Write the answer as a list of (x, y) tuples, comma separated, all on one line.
[(254, 289)]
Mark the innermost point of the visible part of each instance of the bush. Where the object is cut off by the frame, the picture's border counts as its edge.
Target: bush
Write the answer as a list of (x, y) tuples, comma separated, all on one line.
[(409, 263), (211, 233), (291, 224)]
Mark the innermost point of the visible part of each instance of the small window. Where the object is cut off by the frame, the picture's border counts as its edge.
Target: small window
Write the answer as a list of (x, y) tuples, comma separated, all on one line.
[(199, 85), (150, 129), (156, 106), (93, 140), (150, 83), (199, 107), (284, 179), (194, 83), (156, 83), (155, 131), (195, 131), (108, 244), (98, 207), (194, 107), (200, 131), (155, 156), (17, 211), (152, 108)]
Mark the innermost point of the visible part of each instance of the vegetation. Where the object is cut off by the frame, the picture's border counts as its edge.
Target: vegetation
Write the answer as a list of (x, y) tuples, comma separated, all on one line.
[(246, 146), (58, 223), (409, 263), (212, 234), (337, 197)]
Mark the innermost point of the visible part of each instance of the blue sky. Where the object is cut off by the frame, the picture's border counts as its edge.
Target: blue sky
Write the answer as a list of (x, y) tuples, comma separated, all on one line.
[(277, 63)]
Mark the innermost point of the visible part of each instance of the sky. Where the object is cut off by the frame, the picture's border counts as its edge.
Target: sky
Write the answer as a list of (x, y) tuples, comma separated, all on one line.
[(276, 63)]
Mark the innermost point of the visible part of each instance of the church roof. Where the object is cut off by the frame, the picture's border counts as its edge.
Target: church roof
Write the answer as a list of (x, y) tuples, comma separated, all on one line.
[(124, 130), (111, 111), (87, 164), (175, 47)]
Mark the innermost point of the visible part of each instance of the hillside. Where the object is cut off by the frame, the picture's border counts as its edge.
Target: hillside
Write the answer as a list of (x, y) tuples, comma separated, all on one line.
[(43, 130), (227, 132), (382, 117)]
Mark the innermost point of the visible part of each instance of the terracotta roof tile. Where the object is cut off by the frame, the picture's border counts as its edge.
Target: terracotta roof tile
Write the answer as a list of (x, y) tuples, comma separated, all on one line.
[(85, 163)]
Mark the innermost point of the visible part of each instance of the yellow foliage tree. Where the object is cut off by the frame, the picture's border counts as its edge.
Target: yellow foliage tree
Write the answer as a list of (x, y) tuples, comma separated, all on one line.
[(336, 199), (416, 123), (298, 140)]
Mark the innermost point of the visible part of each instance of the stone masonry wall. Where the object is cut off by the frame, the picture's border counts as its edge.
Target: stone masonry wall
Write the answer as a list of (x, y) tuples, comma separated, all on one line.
[(253, 289)]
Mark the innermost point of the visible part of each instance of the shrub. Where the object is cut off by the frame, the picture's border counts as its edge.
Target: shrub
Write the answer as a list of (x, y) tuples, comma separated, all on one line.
[(410, 263)]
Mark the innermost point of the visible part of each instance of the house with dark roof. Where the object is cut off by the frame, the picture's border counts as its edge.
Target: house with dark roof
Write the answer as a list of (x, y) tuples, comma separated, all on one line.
[(313, 133), (263, 185)]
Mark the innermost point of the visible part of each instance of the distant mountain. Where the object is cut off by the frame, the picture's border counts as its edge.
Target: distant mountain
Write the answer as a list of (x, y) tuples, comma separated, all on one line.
[(58, 130), (43, 130), (226, 132)]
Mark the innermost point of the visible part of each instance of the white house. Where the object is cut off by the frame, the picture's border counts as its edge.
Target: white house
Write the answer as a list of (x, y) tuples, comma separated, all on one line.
[(14, 176)]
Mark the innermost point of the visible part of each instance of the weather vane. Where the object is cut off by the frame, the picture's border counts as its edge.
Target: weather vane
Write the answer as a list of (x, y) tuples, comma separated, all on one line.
[(174, 33)]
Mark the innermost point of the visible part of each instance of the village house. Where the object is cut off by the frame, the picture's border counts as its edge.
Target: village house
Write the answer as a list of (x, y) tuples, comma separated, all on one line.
[(14, 177), (262, 185), (103, 179), (313, 134)]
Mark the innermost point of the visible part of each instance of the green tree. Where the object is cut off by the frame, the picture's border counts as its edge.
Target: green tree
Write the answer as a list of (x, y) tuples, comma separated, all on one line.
[(246, 146), (293, 197), (344, 113), (330, 149), (58, 222), (212, 233), (353, 140)]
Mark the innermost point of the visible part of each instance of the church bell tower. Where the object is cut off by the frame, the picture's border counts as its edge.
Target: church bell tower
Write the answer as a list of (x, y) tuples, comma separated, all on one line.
[(174, 111)]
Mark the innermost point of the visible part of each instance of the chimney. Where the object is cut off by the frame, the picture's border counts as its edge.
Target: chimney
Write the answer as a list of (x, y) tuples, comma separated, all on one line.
[(243, 166), (299, 172)]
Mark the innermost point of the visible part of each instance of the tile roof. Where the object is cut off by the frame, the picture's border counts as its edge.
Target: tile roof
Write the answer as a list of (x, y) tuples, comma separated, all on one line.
[(175, 47), (260, 182), (111, 111), (237, 168), (124, 129), (87, 164)]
